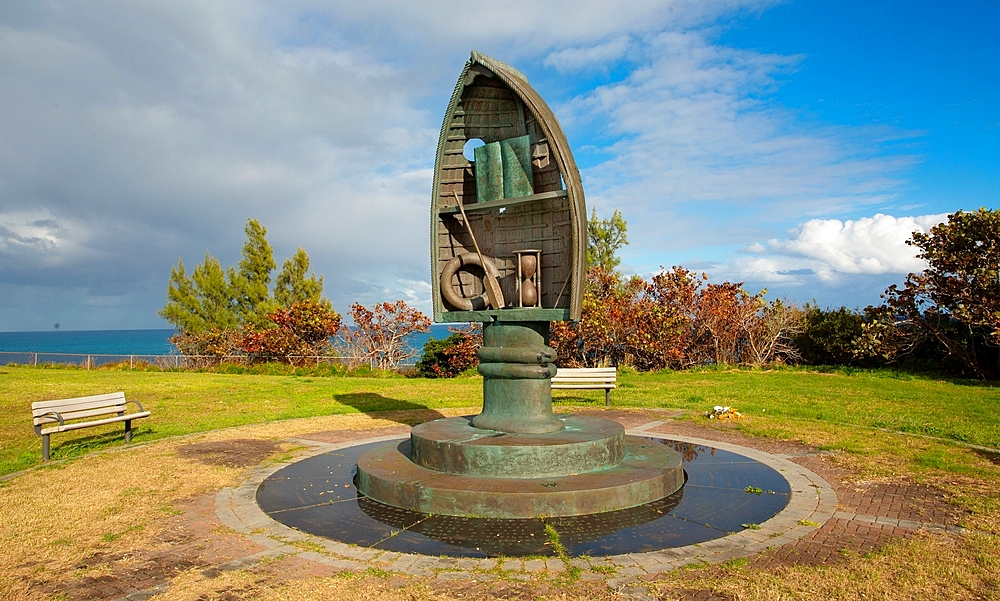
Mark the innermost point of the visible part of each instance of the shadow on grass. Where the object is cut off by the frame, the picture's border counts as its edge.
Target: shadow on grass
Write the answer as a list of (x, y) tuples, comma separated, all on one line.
[(403, 412), (904, 372), (78, 447), (570, 399), (573, 400), (990, 456)]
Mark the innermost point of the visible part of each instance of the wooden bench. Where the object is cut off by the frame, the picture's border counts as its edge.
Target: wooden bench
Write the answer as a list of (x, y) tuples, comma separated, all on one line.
[(587, 378), (63, 411)]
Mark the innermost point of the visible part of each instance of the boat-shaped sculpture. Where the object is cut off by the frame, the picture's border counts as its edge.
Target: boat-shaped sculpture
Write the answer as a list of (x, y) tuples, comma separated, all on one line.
[(508, 250), (515, 215)]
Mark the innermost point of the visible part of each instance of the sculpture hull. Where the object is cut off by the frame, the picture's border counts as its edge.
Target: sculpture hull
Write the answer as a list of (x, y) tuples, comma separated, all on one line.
[(522, 191)]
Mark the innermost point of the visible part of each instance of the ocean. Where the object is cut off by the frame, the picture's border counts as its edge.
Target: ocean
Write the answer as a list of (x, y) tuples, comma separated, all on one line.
[(129, 342)]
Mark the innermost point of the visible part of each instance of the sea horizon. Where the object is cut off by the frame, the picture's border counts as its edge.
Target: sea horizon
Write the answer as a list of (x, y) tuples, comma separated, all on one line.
[(149, 341)]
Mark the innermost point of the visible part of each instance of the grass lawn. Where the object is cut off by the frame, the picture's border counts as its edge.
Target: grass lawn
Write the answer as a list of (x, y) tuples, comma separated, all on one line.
[(782, 403), (53, 518), (185, 402)]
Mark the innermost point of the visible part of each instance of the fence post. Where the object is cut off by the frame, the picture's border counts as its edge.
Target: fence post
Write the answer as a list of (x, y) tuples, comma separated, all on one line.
[(88, 362), (131, 363), (36, 360)]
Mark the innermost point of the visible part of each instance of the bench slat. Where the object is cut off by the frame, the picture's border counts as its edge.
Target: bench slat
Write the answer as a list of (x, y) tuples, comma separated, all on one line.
[(97, 399), (99, 422), (587, 378), (72, 415)]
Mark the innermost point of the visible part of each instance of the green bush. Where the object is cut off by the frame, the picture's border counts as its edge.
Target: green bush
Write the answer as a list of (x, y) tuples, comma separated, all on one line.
[(829, 336), (449, 357)]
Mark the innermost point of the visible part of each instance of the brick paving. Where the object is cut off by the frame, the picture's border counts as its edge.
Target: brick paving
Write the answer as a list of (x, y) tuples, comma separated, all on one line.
[(291, 567), (630, 418), (833, 542), (870, 514), (212, 535)]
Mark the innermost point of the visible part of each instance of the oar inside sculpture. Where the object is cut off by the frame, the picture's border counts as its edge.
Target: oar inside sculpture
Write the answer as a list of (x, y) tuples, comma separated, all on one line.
[(493, 292)]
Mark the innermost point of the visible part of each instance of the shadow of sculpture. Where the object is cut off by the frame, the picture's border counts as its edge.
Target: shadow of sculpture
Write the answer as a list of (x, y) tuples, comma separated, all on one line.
[(397, 410)]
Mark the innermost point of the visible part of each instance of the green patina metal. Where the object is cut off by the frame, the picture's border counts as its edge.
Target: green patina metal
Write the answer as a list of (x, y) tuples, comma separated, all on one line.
[(503, 169), (647, 473), (584, 445), (516, 158), (489, 172), (517, 395), (516, 459)]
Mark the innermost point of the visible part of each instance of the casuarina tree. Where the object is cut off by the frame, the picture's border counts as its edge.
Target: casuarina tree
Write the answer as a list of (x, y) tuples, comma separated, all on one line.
[(293, 286), (252, 280), (202, 302), (604, 238)]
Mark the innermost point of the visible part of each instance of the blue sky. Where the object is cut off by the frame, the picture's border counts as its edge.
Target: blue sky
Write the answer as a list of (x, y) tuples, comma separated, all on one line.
[(791, 145), (932, 68)]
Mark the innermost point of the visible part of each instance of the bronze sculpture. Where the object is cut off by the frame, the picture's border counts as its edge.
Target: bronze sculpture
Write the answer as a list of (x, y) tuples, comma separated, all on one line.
[(508, 249)]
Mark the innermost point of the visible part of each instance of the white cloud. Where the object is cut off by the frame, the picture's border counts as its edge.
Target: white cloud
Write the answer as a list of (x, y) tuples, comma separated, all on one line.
[(572, 59), (832, 251), (34, 239), (523, 28)]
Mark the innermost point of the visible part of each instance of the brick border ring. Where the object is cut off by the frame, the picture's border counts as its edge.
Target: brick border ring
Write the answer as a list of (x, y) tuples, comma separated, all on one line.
[(813, 502)]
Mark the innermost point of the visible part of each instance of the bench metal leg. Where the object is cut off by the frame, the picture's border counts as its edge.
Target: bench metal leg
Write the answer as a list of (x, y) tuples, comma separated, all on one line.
[(607, 397), (45, 447), (128, 431)]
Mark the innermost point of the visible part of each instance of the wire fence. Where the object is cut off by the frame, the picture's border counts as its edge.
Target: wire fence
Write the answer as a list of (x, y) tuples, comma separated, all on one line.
[(94, 360)]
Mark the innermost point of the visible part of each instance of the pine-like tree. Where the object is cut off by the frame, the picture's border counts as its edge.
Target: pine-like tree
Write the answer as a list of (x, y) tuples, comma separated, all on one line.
[(251, 283), (604, 238), (201, 303), (292, 286), (215, 307)]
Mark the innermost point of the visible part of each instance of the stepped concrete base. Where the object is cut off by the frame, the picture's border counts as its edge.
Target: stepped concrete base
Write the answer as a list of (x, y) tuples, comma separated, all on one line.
[(583, 445), (647, 472)]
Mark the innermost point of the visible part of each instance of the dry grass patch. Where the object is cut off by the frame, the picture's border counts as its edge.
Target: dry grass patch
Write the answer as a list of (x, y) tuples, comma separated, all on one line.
[(192, 585), (250, 584), (111, 503), (403, 588), (114, 503), (351, 586), (927, 567)]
